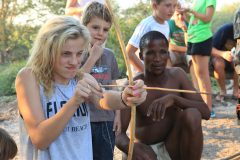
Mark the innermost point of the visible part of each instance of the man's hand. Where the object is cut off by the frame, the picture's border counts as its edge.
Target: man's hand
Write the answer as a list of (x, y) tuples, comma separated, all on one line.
[(227, 55), (158, 107), (143, 152)]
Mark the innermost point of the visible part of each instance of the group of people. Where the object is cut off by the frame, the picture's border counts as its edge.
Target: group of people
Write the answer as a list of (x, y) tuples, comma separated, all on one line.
[(66, 113), (193, 38)]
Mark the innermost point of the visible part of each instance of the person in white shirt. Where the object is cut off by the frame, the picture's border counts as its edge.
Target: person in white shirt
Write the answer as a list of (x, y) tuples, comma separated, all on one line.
[(162, 11)]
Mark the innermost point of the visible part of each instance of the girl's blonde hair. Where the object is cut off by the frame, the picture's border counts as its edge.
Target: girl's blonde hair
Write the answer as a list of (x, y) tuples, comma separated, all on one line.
[(48, 46)]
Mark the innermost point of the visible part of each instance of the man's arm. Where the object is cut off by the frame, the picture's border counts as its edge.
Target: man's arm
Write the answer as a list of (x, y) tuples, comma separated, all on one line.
[(189, 100), (158, 107), (134, 60), (185, 103), (122, 140), (223, 54)]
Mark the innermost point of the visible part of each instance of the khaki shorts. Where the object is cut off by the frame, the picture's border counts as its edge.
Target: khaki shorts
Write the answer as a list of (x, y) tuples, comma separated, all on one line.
[(159, 149)]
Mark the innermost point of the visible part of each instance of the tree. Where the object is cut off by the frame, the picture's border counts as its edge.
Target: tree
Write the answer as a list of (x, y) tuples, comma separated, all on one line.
[(224, 15), (128, 20), (55, 6), (8, 40)]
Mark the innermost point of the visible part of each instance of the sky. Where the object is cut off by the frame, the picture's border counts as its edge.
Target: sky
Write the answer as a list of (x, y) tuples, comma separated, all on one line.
[(128, 3)]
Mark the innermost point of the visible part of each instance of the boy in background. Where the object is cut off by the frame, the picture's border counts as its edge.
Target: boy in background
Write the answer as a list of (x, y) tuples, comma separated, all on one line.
[(177, 43), (102, 65), (162, 11)]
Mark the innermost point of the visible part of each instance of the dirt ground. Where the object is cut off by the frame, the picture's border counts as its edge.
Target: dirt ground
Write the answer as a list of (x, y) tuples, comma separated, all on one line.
[(221, 134)]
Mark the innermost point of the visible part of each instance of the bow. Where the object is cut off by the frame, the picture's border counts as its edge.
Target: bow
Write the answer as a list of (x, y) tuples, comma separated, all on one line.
[(130, 79)]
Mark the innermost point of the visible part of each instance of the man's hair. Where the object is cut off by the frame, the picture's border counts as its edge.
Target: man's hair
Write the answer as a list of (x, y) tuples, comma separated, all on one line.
[(8, 147), (96, 9), (148, 37), (48, 46), (157, 1)]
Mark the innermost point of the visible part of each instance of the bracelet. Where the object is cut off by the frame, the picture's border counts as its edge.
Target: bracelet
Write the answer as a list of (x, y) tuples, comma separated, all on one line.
[(123, 100)]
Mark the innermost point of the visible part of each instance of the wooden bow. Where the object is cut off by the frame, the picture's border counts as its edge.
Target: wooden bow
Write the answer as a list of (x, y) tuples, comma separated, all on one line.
[(130, 79)]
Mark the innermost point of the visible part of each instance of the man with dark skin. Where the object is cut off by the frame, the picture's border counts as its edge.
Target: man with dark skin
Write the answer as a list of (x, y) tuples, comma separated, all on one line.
[(170, 118)]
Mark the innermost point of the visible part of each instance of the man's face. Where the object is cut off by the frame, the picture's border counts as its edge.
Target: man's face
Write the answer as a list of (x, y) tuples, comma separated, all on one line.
[(99, 29), (155, 56)]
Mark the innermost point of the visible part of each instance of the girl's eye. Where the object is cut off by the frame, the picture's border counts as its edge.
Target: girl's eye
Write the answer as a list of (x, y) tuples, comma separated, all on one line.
[(66, 53), (79, 54)]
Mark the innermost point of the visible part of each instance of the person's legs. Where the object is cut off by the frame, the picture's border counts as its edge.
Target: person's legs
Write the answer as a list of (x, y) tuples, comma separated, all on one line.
[(200, 65), (231, 74), (191, 70), (185, 142), (103, 139), (178, 60), (235, 85), (219, 74), (194, 79)]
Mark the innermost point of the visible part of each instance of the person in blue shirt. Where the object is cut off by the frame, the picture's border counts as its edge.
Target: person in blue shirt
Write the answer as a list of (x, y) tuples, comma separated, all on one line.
[(221, 61)]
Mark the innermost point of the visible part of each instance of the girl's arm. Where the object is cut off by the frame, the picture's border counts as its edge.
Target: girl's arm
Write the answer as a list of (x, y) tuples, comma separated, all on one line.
[(207, 17), (113, 100), (43, 131), (134, 95)]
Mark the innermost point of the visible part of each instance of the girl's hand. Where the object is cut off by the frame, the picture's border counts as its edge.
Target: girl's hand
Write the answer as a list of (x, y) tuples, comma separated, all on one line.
[(86, 88), (134, 95)]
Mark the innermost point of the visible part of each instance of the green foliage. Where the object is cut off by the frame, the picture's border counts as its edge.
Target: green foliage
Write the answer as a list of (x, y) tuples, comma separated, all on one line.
[(17, 39), (14, 37), (128, 20), (225, 15), (55, 6), (7, 78)]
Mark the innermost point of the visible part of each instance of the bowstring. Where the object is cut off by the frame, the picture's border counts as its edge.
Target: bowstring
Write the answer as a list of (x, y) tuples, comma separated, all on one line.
[(105, 122)]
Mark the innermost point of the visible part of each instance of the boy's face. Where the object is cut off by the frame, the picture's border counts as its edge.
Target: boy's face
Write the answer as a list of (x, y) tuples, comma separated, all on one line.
[(165, 9), (98, 29), (155, 56), (179, 15)]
